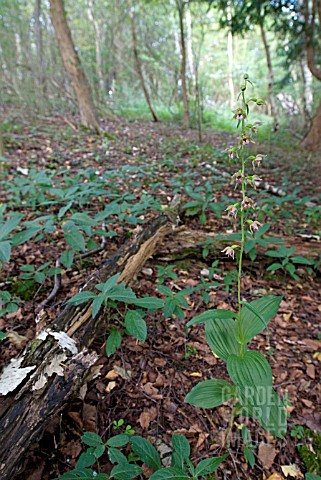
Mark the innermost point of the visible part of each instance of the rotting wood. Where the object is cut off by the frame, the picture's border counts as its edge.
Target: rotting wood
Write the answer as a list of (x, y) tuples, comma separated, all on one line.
[(54, 371), (187, 243)]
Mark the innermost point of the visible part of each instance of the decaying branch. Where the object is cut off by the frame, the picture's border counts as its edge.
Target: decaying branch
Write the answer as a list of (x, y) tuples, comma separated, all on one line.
[(54, 365)]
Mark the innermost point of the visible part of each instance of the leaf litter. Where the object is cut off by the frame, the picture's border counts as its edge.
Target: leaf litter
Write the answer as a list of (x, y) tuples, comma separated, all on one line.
[(151, 379)]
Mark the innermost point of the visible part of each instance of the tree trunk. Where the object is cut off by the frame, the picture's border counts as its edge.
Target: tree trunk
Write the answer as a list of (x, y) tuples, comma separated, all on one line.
[(270, 76), (312, 140), (138, 66), (230, 53), (180, 7), (54, 365), (99, 60), (73, 67), (189, 44), (307, 90), (40, 75)]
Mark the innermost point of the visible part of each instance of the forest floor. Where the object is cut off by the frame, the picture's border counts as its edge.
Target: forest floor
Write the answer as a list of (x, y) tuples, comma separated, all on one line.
[(140, 166)]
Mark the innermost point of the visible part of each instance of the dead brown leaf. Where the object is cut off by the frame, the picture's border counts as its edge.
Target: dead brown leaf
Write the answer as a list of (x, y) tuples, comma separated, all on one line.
[(311, 371), (89, 416), (267, 454), (147, 416)]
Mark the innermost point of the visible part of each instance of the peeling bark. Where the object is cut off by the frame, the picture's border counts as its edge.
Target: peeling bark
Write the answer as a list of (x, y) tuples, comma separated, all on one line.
[(50, 372)]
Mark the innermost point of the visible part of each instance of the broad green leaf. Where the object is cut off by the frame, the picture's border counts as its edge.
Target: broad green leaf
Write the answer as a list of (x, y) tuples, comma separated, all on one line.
[(252, 325), (165, 290), (118, 440), (6, 296), (147, 452), (83, 219), (96, 305), (276, 422), (210, 315), (273, 267), (250, 370), (111, 282), (301, 260), (65, 209), (81, 297), (25, 235), (209, 465), (98, 451), (113, 342), (39, 277), (312, 476), (116, 456), (67, 258), (5, 251), (181, 451), (169, 473), (125, 471), (2, 335), (252, 376), (249, 457), (149, 302), (221, 337), (136, 325), (86, 459), (210, 393), (169, 307), (82, 474), (75, 240), (91, 439), (121, 293), (9, 225)]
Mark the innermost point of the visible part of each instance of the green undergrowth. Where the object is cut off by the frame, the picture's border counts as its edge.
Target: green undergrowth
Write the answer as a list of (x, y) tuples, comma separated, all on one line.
[(309, 449)]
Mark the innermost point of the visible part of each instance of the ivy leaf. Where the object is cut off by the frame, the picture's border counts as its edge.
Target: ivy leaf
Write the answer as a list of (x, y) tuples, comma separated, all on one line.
[(75, 240), (81, 297), (136, 325), (169, 473), (9, 225), (91, 439), (86, 459), (147, 452), (209, 465), (126, 471), (5, 251), (150, 303), (181, 451), (67, 258), (118, 440), (113, 342)]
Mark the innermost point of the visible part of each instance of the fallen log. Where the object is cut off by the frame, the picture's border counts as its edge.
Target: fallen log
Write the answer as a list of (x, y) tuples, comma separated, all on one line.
[(52, 368), (188, 243)]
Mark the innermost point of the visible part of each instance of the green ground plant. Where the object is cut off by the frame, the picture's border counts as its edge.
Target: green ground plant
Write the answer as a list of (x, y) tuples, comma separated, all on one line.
[(228, 333), (137, 452), (287, 261), (309, 448)]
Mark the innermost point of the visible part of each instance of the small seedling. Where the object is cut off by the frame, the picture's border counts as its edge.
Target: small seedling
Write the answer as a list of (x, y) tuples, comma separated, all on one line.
[(165, 272)]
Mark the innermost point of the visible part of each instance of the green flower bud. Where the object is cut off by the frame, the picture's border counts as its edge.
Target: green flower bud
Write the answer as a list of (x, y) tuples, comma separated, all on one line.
[(243, 87), (245, 76)]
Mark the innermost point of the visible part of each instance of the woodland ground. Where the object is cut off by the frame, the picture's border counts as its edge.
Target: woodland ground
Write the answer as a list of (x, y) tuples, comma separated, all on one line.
[(158, 160)]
